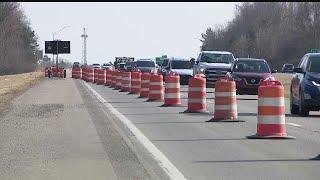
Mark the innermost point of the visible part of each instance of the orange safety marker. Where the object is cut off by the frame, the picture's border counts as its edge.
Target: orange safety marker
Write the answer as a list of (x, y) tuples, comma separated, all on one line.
[(101, 76), (145, 81), (118, 80), (108, 77), (125, 81), (225, 102), (96, 72), (135, 82), (271, 112), (197, 96), (113, 79), (84, 74), (90, 75), (156, 88), (172, 95)]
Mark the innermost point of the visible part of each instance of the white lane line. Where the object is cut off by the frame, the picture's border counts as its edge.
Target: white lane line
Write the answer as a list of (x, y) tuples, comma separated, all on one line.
[(293, 124), (161, 159)]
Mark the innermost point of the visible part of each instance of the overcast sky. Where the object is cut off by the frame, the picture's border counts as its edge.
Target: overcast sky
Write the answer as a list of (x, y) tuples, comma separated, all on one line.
[(140, 30)]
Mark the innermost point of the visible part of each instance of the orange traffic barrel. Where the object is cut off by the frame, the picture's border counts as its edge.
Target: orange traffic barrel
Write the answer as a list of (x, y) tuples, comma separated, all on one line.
[(84, 75), (108, 77), (271, 112), (225, 102), (145, 81), (197, 95), (113, 79), (101, 76), (172, 95), (118, 80), (96, 73), (90, 75), (135, 82), (156, 88), (125, 81)]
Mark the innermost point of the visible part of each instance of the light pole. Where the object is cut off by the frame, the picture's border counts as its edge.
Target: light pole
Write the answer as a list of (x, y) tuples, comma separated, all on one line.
[(57, 43)]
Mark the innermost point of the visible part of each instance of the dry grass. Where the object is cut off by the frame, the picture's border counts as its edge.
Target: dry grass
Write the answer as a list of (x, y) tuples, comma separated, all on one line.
[(11, 85), (285, 79)]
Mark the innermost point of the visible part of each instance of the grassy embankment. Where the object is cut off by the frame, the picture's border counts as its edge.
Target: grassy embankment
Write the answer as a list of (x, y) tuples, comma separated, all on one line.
[(11, 85), (285, 79)]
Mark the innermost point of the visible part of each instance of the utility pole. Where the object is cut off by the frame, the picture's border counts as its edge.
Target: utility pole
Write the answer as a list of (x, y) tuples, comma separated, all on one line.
[(84, 52)]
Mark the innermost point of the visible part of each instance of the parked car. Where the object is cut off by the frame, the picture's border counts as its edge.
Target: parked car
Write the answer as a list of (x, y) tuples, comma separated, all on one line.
[(287, 68), (213, 65), (146, 65), (305, 85), (180, 66), (96, 66), (248, 74), (106, 66)]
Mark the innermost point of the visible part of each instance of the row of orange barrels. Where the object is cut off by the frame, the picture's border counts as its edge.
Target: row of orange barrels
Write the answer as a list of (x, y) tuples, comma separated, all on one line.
[(54, 72), (271, 110)]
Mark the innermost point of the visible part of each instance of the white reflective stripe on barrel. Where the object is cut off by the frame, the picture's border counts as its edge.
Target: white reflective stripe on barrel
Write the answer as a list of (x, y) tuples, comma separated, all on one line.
[(144, 89), (135, 86), (155, 92), (225, 94), (275, 119), (156, 83), (145, 81), (126, 78), (202, 101), (226, 107), (197, 89), (135, 80), (172, 95), (172, 85), (271, 101)]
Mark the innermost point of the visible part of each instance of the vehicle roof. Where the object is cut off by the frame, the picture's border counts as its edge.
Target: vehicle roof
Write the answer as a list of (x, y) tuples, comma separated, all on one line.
[(145, 60), (313, 54), (250, 59), (217, 52), (179, 59)]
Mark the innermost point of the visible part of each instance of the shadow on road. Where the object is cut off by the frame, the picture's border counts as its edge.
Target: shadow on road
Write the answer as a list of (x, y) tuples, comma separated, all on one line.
[(247, 114), (181, 122), (257, 160)]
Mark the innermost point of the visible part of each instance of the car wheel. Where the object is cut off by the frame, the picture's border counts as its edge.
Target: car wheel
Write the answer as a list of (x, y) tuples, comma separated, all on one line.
[(294, 109), (303, 111)]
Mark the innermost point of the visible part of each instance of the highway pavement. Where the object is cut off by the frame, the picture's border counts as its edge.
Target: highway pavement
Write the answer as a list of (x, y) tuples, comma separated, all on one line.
[(220, 150)]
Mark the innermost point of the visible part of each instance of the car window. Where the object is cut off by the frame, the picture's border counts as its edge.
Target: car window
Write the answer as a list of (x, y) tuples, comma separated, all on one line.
[(145, 64), (251, 66), (314, 64), (302, 61), (165, 62), (216, 58), (181, 65)]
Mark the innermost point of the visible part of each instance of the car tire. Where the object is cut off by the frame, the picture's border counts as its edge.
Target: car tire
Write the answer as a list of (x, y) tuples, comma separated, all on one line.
[(303, 111), (294, 109)]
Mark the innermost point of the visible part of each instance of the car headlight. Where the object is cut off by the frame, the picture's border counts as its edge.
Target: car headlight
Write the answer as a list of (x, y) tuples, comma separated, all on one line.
[(315, 83)]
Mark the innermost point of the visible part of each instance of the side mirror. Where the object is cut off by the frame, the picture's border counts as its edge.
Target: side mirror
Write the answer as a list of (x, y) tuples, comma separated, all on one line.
[(298, 70), (274, 71)]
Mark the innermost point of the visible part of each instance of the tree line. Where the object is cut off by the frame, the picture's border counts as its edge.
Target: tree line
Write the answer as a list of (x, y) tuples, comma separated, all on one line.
[(18, 41), (279, 32)]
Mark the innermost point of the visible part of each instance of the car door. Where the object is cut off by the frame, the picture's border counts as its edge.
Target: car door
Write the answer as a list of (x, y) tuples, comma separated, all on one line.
[(297, 78)]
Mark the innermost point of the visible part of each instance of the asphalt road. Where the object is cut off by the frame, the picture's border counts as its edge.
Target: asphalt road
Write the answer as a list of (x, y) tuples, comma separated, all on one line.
[(211, 150)]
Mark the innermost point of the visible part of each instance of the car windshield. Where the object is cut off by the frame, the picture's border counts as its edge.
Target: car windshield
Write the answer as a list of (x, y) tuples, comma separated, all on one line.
[(251, 66), (165, 62), (314, 65), (95, 64), (145, 64), (181, 65), (216, 58)]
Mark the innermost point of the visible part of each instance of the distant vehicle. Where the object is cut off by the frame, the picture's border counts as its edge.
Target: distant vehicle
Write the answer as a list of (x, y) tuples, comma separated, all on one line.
[(96, 66), (305, 85), (287, 68), (121, 60), (130, 65), (76, 64), (180, 66), (106, 66), (121, 66), (213, 65), (164, 65), (146, 65), (248, 73)]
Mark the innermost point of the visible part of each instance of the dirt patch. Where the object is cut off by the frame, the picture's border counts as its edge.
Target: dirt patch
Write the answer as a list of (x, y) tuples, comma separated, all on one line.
[(285, 79), (12, 85)]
